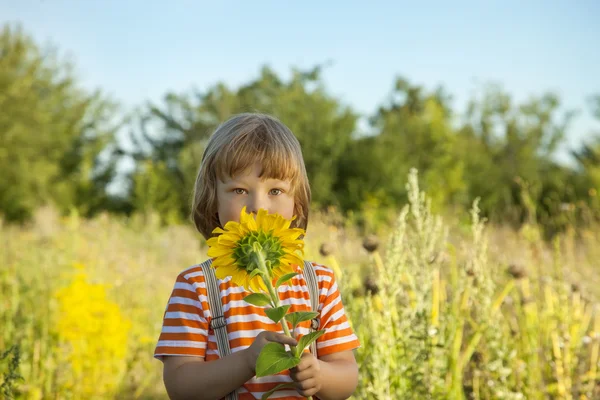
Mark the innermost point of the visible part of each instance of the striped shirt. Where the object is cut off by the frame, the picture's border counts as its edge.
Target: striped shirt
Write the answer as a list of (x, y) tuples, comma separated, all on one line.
[(187, 317)]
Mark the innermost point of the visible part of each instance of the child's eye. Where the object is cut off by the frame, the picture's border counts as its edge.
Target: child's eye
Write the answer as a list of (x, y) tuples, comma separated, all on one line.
[(276, 192), (239, 191)]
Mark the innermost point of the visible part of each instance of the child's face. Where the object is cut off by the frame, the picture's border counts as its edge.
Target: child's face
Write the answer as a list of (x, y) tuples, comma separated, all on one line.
[(248, 189)]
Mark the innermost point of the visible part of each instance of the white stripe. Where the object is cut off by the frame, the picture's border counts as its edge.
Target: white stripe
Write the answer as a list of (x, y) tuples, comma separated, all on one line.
[(244, 334), (243, 305), (293, 288), (183, 315), (186, 301), (300, 330), (338, 327), (330, 306), (249, 318), (184, 329), (333, 342), (199, 285), (232, 289), (181, 343), (271, 379), (333, 288), (293, 300), (338, 314), (184, 286)]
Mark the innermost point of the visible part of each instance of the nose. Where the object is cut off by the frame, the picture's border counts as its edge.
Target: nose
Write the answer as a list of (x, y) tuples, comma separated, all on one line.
[(256, 202)]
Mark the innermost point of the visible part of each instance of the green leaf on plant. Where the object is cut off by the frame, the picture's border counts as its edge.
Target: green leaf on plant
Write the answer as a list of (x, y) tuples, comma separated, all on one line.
[(282, 386), (299, 316), (256, 271), (306, 340), (275, 314), (257, 299), (285, 278), (273, 359)]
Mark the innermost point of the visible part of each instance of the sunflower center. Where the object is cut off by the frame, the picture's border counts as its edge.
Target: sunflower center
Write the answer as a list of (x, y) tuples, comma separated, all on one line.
[(244, 256)]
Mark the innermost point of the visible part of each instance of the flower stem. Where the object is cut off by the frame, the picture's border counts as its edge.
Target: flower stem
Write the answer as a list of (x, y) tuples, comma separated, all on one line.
[(266, 277)]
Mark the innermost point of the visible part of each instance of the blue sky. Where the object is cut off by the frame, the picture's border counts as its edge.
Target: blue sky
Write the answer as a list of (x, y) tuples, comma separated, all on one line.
[(138, 50)]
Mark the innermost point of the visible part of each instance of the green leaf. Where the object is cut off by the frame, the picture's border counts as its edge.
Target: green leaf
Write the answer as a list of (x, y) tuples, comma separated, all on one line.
[(281, 386), (299, 316), (275, 314), (254, 273), (285, 278), (273, 359), (258, 299), (306, 340)]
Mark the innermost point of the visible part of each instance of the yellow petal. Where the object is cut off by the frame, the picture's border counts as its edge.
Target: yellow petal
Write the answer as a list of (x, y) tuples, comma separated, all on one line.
[(219, 251), (235, 228), (223, 272), (223, 261), (212, 241), (239, 277), (247, 221), (261, 218), (257, 285)]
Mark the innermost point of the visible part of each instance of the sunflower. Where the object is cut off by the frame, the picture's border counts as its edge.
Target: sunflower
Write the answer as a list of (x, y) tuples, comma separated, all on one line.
[(234, 251)]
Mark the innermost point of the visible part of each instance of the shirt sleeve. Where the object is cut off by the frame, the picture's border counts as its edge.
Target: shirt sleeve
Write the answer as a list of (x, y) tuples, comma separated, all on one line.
[(185, 328), (339, 335)]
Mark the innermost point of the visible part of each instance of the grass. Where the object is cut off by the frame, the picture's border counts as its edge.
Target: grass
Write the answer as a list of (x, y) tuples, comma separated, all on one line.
[(454, 310)]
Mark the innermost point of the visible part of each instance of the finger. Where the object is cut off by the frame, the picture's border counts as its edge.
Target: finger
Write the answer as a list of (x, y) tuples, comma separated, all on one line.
[(306, 385), (310, 391), (306, 361), (305, 375), (281, 338)]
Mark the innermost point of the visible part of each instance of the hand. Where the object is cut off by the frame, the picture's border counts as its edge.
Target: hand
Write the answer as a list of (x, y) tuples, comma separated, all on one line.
[(261, 340), (307, 375)]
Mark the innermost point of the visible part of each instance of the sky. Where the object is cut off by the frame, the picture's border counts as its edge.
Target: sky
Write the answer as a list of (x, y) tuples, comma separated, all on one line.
[(137, 51)]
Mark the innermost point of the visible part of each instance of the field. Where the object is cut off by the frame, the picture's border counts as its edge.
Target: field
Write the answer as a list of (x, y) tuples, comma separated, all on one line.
[(445, 308)]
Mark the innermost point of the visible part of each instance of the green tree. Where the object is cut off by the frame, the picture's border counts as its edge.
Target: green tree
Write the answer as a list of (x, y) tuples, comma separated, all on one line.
[(51, 132), (588, 165), (176, 132), (413, 131), (510, 149)]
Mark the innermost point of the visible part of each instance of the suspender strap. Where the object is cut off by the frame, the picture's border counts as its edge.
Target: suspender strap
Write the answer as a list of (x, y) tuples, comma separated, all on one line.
[(217, 322), (313, 288)]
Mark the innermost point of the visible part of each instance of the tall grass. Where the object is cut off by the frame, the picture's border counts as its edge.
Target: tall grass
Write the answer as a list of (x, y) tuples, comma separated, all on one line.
[(443, 310)]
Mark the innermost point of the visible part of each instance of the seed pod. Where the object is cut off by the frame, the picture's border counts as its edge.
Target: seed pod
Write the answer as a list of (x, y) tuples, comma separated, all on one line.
[(370, 243), (326, 249), (371, 286), (516, 271), (575, 287), (477, 357)]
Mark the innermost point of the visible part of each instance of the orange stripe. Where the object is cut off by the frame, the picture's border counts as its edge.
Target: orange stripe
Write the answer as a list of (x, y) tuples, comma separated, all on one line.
[(185, 322), (182, 336), (184, 351)]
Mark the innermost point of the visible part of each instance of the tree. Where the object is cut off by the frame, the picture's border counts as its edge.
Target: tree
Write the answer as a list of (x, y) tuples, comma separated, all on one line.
[(412, 131), (510, 147), (176, 132), (51, 132)]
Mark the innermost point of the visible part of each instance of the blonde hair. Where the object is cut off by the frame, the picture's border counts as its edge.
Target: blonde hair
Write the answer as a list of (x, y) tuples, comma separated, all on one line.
[(234, 147)]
